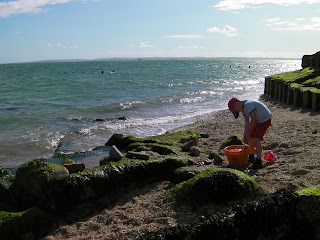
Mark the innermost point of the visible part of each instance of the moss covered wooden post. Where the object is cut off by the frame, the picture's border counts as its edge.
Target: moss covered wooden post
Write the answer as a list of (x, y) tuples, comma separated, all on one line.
[(276, 89), (315, 101), (272, 88), (266, 86), (290, 94), (285, 92), (297, 97), (280, 87), (306, 99)]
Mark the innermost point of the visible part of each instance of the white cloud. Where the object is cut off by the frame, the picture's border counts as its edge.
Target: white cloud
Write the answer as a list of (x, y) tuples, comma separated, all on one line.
[(298, 24), (144, 45), (184, 36), (226, 5), (190, 47), (227, 30), (60, 45), (27, 6), (271, 20)]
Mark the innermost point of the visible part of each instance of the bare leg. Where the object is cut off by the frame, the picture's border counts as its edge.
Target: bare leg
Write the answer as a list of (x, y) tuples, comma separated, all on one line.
[(251, 145), (257, 145)]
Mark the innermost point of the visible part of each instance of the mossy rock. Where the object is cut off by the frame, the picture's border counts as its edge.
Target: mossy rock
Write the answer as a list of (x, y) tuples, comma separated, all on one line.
[(67, 160), (32, 181), (309, 204), (35, 183), (215, 185), (162, 149), (30, 224), (176, 138), (122, 142), (6, 179), (232, 140)]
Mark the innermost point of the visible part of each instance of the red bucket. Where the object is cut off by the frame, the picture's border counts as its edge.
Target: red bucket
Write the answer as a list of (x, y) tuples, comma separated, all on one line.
[(270, 156), (237, 155)]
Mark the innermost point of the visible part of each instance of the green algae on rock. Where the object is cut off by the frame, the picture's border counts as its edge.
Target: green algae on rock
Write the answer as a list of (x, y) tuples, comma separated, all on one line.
[(300, 88), (33, 222), (309, 204), (32, 182), (218, 185), (6, 179), (232, 140)]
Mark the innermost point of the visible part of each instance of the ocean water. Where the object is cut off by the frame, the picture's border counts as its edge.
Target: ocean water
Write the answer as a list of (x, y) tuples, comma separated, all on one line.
[(75, 105)]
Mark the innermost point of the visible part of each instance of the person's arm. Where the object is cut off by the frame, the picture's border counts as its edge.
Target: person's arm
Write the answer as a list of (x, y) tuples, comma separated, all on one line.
[(249, 123)]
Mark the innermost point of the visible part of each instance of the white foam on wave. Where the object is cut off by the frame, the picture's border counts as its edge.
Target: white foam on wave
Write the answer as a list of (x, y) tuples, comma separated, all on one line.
[(151, 125)]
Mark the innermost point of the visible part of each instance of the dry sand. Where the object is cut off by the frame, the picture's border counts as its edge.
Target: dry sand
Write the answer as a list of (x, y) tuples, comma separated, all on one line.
[(294, 137)]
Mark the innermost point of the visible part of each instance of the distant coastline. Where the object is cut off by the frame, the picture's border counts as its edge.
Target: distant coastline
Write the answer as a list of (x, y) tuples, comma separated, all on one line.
[(149, 59)]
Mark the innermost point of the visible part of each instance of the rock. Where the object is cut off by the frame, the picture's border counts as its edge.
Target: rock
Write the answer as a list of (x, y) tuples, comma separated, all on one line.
[(216, 158), (204, 135), (105, 160), (99, 120), (195, 151), (232, 140), (315, 131), (138, 155), (115, 153), (142, 148), (186, 146), (214, 185), (75, 167), (208, 162), (162, 150), (61, 173), (122, 142)]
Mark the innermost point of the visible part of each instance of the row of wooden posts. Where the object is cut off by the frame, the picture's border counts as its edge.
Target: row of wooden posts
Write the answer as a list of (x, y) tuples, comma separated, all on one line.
[(293, 96)]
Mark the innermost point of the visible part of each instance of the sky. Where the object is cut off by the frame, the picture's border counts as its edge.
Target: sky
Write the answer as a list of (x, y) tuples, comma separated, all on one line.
[(35, 30)]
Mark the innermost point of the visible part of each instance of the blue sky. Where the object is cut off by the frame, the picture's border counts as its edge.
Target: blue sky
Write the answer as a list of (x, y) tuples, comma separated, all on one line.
[(32, 30)]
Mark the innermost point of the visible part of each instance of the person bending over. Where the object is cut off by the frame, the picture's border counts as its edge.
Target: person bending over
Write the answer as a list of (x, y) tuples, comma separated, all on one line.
[(257, 118)]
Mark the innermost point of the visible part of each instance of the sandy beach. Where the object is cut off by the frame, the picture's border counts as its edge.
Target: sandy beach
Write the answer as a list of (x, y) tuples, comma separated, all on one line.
[(294, 137)]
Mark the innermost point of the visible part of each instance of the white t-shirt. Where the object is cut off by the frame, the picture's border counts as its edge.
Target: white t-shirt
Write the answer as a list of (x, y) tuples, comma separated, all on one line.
[(263, 114)]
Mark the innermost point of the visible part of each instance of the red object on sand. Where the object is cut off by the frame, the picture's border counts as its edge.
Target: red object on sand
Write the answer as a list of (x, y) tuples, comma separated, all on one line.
[(270, 156)]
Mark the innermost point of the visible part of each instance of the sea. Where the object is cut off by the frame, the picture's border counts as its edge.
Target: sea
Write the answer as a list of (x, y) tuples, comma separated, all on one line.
[(76, 106)]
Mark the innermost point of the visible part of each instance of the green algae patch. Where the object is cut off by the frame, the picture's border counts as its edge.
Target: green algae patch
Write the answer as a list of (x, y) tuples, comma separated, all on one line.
[(6, 179), (13, 225), (298, 76), (176, 138), (306, 79), (310, 191), (309, 203), (37, 168), (121, 141), (215, 185), (32, 180), (67, 160), (315, 82), (232, 140)]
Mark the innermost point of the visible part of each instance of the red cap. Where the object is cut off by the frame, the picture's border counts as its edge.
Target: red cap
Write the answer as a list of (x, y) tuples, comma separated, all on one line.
[(231, 103)]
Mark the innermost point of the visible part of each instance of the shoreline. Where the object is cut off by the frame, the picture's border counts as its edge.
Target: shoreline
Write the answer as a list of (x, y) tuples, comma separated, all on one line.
[(288, 136)]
